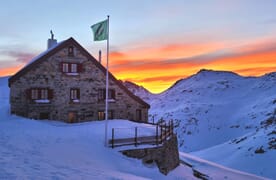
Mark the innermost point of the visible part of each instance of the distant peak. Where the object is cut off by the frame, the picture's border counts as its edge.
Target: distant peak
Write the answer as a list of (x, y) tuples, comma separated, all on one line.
[(210, 71)]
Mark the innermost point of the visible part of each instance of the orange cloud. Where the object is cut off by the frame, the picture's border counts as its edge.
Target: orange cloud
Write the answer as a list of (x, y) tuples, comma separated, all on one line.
[(10, 70), (157, 74), (168, 51)]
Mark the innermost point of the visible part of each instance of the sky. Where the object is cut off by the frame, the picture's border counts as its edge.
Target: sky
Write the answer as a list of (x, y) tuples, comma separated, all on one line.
[(152, 43)]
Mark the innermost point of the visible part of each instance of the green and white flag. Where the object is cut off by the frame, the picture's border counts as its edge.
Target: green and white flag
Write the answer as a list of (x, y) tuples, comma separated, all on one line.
[(100, 30)]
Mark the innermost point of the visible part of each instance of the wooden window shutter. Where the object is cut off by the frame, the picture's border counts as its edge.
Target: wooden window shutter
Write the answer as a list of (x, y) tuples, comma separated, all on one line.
[(28, 93), (50, 93), (61, 66), (104, 93), (78, 93), (80, 68), (112, 93)]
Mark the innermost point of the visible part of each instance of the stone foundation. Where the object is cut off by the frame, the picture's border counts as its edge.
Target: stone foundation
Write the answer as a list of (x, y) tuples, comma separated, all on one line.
[(166, 156)]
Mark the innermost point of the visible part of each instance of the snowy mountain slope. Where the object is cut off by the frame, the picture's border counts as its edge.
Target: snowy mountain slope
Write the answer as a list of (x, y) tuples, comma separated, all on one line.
[(4, 89), (139, 91), (212, 107), (223, 112), (31, 149)]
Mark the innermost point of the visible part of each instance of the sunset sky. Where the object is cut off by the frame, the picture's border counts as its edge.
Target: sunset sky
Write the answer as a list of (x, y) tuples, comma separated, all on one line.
[(152, 42)]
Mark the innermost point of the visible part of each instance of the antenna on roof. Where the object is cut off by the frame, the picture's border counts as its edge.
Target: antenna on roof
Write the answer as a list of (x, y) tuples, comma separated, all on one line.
[(52, 34)]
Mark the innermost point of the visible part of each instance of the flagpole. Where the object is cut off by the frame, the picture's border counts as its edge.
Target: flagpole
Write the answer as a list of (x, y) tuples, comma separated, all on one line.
[(107, 78)]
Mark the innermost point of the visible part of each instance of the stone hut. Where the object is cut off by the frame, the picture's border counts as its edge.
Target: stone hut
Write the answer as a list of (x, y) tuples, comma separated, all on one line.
[(66, 83)]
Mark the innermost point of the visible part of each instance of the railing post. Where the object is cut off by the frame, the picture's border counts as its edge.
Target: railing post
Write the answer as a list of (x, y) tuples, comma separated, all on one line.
[(112, 140), (171, 127), (168, 130), (135, 139), (161, 133), (156, 134)]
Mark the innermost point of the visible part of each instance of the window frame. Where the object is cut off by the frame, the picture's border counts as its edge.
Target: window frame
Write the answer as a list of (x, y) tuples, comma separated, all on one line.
[(102, 94), (40, 95), (101, 114), (74, 95), (71, 51), (71, 68)]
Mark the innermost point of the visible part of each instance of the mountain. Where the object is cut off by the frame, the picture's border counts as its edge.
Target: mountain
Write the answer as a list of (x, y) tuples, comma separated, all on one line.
[(217, 110), (4, 89), (139, 91)]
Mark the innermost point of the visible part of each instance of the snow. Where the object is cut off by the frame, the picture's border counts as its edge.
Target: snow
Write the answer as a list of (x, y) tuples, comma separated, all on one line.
[(44, 149), (211, 169), (42, 100), (72, 74), (76, 100)]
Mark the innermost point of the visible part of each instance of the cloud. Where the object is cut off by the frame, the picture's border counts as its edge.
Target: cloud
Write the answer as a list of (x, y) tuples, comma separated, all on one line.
[(116, 55), (269, 21), (22, 57), (256, 71), (18, 56), (12, 58)]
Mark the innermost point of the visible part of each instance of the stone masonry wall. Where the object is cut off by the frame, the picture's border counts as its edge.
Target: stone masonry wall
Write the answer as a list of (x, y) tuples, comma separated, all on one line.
[(48, 75), (166, 156)]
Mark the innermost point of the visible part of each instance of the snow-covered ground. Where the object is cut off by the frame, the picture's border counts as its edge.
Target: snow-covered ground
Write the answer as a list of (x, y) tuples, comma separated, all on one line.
[(32, 149)]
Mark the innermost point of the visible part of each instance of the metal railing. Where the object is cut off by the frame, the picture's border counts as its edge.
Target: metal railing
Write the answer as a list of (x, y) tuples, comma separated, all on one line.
[(163, 131)]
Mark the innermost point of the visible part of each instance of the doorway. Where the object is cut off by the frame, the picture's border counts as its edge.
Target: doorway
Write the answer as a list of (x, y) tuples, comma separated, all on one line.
[(72, 117)]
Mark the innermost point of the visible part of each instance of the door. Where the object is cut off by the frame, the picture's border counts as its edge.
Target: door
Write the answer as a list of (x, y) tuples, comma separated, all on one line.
[(72, 117), (138, 115)]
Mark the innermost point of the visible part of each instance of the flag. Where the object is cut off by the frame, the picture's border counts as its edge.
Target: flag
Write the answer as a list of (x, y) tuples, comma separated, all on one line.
[(100, 30)]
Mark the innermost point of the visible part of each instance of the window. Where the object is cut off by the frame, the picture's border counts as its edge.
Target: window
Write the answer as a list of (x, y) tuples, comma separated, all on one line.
[(74, 68), (75, 95), (40, 95), (110, 114), (34, 94), (70, 51), (102, 94), (101, 115), (111, 94), (71, 68), (65, 67), (44, 93)]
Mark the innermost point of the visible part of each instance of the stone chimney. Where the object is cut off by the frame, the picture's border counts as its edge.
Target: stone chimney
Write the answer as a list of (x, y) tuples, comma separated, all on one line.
[(51, 42)]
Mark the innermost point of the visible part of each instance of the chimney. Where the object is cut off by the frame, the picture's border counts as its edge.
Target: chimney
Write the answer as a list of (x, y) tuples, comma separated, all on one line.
[(100, 56), (51, 42)]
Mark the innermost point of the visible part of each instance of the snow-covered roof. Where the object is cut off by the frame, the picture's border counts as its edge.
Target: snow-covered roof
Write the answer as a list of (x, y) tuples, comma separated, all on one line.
[(43, 53)]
